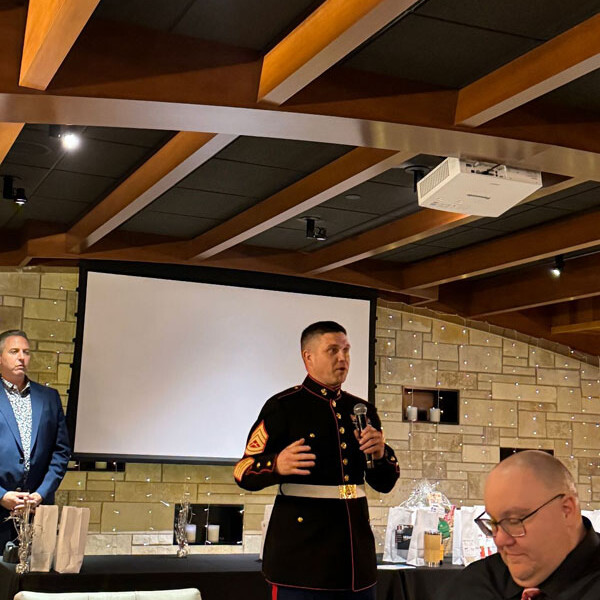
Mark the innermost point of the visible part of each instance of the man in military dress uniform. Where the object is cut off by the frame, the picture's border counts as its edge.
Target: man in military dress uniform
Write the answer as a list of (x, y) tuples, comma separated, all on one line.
[(305, 440)]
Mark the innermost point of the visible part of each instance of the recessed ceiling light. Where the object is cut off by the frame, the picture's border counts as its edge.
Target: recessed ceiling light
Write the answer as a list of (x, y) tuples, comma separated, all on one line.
[(352, 196), (70, 141)]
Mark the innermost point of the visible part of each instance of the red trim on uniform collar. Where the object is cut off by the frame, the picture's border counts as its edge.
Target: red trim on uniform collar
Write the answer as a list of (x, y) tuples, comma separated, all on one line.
[(315, 387), (333, 389)]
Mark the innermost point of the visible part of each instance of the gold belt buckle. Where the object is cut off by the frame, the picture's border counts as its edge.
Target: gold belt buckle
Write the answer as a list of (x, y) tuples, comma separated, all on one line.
[(347, 491)]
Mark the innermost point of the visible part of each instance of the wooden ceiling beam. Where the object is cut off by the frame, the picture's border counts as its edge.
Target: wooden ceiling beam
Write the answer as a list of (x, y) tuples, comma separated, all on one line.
[(580, 327), (349, 170), (181, 155), (331, 32), (9, 132), (410, 229), (51, 30), (391, 236), (579, 316), (559, 61), (535, 243), (157, 80), (535, 322), (527, 288)]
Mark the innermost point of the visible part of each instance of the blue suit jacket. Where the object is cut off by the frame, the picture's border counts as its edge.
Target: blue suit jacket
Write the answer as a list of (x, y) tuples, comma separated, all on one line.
[(50, 449)]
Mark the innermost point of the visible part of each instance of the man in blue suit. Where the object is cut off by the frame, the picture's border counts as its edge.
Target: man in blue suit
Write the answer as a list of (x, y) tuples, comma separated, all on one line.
[(34, 443)]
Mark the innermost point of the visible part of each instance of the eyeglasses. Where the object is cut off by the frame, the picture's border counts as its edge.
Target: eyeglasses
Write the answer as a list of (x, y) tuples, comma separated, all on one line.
[(511, 525)]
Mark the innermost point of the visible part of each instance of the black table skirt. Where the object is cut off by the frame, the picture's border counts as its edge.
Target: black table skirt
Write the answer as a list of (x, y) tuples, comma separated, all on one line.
[(218, 577)]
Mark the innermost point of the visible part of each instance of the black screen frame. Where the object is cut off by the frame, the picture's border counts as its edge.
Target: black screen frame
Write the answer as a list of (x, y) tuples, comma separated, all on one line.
[(227, 277)]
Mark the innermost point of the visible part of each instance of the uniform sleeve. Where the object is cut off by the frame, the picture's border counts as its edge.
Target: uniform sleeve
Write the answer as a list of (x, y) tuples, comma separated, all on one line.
[(383, 476), (256, 469)]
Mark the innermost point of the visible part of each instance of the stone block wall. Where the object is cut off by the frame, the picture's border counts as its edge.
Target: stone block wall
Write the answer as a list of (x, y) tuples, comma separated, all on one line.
[(513, 394)]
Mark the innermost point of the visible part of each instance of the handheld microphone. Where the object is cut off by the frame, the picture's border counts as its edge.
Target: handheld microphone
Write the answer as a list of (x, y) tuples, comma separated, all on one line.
[(360, 412)]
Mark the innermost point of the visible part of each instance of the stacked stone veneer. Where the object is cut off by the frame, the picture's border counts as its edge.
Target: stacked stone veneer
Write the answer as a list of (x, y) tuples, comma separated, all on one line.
[(512, 394)]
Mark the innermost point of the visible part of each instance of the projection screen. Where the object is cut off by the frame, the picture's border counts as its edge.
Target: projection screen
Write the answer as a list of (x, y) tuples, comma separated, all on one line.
[(177, 370)]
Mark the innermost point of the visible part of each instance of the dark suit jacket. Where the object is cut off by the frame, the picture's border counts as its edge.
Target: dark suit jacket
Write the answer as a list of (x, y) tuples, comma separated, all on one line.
[(50, 449)]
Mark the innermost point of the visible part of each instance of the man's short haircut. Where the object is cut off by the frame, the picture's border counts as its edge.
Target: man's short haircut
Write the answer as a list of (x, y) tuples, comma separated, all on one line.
[(319, 328), (545, 468), (10, 333)]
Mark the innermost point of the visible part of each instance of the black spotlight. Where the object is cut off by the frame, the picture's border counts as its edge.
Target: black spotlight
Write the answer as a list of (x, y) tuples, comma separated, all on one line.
[(9, 192), (313, 232), (559, 265)]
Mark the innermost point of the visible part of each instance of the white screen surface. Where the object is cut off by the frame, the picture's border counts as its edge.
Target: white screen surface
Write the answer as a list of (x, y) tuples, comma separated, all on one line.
[(177, 369)]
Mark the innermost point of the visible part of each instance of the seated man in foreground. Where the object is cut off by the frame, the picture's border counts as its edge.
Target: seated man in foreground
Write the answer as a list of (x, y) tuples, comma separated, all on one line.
[(546, 550)]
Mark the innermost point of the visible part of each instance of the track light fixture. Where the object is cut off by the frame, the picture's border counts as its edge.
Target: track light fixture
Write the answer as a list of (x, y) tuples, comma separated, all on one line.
[(9, 192), (559, 265), (313, 232), (69, 137)]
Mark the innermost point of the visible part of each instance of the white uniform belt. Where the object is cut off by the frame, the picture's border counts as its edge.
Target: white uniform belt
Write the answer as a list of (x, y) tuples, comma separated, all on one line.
[(340, 492)]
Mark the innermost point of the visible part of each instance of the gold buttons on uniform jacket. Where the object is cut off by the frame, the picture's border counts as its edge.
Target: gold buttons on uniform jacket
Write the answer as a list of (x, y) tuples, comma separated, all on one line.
[(258, 465), (324, 391), (334, 403), (338, 415), (342, 430), (311, 435), (343, 445), (345, 461), (300, 519), (269, 463), (346, 477)]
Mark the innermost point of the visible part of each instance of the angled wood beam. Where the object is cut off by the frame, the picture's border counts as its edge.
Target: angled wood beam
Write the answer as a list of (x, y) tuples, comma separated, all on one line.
[(9, 132), (182, 154), (390, 274), (579, 316), (581, 327), (176, 83), (528, 288), (536, 323), (51, 30), (535, 243), (571, 55), (390, 236), (349, 170), (336, 28)]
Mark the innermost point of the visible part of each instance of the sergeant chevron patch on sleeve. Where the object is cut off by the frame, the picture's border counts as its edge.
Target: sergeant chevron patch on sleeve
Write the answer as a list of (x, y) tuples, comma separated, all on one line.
[(242, 466), (258, 440)]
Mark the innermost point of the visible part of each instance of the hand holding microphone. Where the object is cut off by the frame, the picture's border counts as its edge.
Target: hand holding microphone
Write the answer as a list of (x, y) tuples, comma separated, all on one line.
[(371, 440)]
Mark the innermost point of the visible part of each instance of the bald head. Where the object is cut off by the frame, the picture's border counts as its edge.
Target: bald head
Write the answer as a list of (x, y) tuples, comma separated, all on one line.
[(542, 467), (536, 491)]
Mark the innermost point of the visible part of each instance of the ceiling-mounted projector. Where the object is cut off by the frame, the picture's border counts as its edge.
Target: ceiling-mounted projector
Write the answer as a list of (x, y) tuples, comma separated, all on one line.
[(476, 188)]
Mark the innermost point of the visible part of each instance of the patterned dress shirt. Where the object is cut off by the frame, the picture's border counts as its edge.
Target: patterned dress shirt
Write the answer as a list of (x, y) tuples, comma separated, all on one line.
[(20, 400)]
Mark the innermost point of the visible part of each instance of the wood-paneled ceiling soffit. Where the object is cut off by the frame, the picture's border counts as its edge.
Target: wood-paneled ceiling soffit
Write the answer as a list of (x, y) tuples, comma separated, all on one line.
[(51, 29), (559, 61), (330, 33), (527, 288), (181, 155), (579, 316), (127, 89), (566, 235)]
